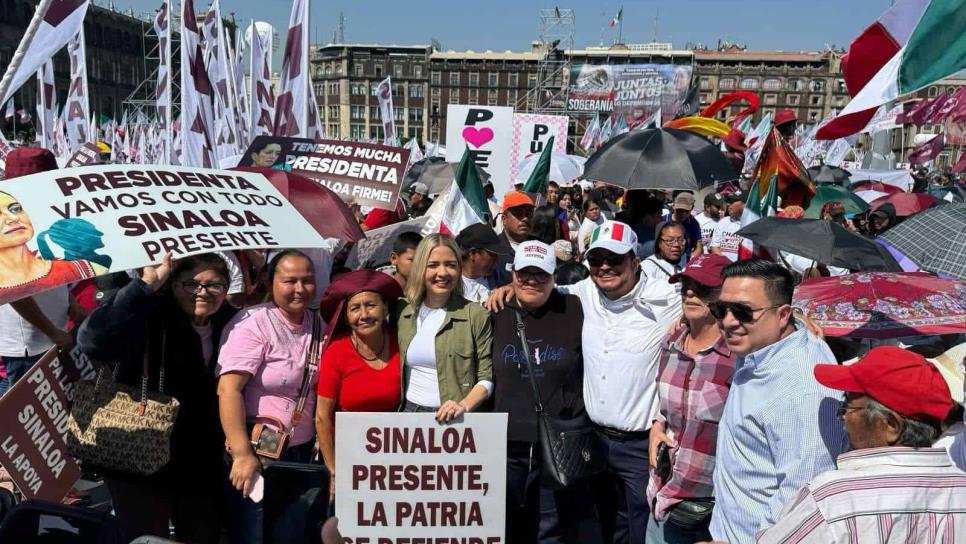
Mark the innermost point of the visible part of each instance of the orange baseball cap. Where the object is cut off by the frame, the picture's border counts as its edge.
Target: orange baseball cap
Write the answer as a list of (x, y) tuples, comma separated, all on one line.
[(516, 198)]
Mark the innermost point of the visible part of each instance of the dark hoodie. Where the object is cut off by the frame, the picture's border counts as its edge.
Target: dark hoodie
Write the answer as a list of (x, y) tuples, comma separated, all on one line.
[(890, 211)]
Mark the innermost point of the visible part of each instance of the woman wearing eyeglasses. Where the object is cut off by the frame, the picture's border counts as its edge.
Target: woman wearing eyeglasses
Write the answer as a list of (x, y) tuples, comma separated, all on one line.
[(669, 243), (694, 376), (174, 313)]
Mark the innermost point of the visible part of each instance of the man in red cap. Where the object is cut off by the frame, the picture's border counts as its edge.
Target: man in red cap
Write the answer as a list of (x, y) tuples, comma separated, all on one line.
[(893, 484)]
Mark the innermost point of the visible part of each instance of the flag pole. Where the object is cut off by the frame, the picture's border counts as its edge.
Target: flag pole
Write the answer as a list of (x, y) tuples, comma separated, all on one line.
[(620, 26), (18, 55)]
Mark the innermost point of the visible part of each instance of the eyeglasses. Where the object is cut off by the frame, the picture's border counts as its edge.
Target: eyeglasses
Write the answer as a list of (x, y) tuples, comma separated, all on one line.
[(845, 409), (535, 276), (742, 312), (193, 287), (699, 290), (612, 260), (674, 241), (520, 212)]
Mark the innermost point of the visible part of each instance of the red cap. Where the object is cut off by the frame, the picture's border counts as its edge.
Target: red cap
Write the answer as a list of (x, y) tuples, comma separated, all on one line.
[(899, 379), (516, 198), (704, 269), (351, 283), (785, 116), (735, 140), (24, 161)]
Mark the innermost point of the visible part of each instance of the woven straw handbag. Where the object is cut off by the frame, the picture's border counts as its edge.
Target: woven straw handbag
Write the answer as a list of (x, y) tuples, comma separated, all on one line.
[(119, 427)]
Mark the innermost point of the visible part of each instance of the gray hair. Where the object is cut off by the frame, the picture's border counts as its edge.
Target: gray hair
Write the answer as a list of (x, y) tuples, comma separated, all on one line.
[(915, 434)]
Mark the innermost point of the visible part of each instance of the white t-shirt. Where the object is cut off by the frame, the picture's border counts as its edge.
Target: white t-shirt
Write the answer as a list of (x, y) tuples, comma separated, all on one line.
[(724, 237), (18, 338), (476, 289), (204, 334), (663, 296), (707, 225), (423, 388), (236, 280)]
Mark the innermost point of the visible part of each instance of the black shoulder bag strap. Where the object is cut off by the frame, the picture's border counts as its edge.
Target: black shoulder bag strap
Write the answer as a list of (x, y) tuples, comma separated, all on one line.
[(311, 368), (522, 333)]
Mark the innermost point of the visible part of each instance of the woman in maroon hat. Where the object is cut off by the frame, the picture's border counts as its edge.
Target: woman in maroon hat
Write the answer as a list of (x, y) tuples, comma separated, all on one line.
[(694, 376), (360, 367)]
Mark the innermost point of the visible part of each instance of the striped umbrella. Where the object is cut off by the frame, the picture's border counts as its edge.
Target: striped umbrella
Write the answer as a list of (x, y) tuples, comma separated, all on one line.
[(934, 239)]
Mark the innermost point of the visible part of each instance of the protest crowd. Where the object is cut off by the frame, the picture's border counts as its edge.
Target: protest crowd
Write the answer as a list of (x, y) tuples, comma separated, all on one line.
[(693, 338)]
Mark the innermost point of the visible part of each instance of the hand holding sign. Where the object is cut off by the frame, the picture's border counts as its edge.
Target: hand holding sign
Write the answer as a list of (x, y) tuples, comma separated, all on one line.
[(155, 276)]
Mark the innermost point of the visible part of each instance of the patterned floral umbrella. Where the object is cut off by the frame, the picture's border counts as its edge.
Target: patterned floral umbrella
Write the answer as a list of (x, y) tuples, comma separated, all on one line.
[(884, 304)]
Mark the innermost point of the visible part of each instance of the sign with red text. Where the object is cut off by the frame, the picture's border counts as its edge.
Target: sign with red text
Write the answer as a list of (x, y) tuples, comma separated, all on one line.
[(33, 428), (360, 173), (63, 226), (404, 478), (531, 131), (486, 131)]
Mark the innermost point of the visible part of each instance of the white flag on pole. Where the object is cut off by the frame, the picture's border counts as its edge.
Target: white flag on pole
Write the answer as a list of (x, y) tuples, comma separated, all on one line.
[(162, 26), (196, 95), (77, 111), (46, 106), (384, 94), (292, 105), (225, 134), (263, 97)]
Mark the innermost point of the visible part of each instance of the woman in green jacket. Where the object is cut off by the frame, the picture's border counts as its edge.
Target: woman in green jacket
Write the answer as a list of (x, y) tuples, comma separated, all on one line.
[(444, 340)]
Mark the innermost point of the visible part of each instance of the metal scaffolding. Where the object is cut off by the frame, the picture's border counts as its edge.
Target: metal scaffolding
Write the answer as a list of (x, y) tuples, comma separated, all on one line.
[(143, 99), (555, 41)]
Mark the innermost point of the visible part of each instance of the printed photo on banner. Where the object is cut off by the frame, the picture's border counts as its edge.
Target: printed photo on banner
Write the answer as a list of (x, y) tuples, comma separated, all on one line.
[(360, 173), (403, 478), (635, 91), (63, 226), (531, 131), (486, 132)]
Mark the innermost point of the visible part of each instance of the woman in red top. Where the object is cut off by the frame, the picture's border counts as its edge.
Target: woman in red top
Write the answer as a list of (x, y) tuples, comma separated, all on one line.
[(360, 367)]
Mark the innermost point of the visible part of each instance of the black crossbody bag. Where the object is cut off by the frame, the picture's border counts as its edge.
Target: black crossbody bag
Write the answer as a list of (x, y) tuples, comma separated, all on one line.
[(569, 448)]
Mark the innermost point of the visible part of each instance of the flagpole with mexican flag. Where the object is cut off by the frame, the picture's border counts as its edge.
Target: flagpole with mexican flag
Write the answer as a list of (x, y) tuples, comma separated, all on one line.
[(465, 201), (618, 21)]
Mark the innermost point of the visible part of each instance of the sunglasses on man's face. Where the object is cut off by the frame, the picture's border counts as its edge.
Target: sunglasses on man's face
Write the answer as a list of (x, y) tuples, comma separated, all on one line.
[(611, 259), (742, 312)]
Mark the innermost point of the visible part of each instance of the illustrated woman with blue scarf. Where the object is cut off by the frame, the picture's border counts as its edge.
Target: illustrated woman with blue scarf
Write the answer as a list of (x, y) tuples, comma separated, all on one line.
[(23, 271)]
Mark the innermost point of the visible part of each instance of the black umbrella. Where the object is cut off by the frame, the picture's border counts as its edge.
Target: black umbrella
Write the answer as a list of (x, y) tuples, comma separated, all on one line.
[(435, 173), (822, 241), (829, 174), (659, 158)]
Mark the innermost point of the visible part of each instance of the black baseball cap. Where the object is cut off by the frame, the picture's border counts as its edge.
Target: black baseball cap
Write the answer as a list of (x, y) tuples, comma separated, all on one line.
[(737, 196), (714, 199), (480, 236)]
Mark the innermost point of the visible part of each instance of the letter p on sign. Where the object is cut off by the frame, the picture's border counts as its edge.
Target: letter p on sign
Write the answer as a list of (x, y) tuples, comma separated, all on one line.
[(474, 116)]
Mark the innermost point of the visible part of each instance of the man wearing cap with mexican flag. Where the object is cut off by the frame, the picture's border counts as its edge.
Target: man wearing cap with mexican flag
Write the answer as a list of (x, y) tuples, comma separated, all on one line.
[(893, 486)]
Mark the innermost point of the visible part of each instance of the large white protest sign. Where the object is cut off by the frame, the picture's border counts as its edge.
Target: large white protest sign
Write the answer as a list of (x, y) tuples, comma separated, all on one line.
[(486, 131), (68, 225), (531, 131), (404, 478)]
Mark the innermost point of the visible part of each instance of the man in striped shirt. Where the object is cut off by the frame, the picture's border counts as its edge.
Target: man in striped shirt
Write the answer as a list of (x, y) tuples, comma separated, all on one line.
[(779, 428), (893, 487)]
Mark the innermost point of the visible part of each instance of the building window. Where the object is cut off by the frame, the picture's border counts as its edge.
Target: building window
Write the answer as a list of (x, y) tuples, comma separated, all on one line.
[(771, 99), (434, 134), (454, 95), (434, 77), (511, 97), (726, 83), (474, 94), (398, 90), (772, 84), (357, 132), (932, 92), (513, 80), (494, 79), (360, 69), (358, 89), (796, 85), (474, 79), (415, 90), (373, 88), (454, 78), (434, 91), (793, 99), (399, 114), (815, 101), (397, 70), (358, 113), (704, 98), (840, 86), (434, 105), (375, 132), (374, 113), (415, 115), (491, 94), (817, 86), (378, 69), (749, 83), (417, 70), (705, 83), (531, 81), (333, 112)]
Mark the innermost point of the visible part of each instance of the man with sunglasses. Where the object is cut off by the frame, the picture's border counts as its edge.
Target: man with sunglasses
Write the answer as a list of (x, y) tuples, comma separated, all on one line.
[(894, 484), (779, 429), (517, 214)]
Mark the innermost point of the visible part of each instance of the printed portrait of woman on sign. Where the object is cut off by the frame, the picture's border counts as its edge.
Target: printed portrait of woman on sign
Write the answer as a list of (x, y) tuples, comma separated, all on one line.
[(24, 271)]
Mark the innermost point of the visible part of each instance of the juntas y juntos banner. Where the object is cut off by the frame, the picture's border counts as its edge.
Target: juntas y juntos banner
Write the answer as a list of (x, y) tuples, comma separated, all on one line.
[(63, 226), (405, 478), (633, 90), (365, 174)]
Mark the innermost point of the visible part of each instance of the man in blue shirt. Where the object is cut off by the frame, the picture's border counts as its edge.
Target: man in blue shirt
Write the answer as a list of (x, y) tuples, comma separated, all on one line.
[(779, 428)]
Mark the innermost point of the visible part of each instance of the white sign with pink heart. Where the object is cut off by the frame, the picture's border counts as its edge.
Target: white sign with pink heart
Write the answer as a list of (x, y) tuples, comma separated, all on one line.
[(486, 131)]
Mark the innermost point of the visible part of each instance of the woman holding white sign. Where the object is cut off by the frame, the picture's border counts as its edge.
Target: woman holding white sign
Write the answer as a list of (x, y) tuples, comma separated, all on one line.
[(268, 369), (172, 317), (444, 340)]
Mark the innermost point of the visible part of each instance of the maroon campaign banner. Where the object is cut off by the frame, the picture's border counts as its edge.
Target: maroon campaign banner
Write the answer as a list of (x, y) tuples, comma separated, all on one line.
[(360, 173), (33, 418)]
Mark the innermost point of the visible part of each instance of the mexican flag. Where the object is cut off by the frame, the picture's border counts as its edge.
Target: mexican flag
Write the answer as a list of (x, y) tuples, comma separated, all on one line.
[(929, 43), (617, 18), (537, 182), (465, 203), (756, 207)]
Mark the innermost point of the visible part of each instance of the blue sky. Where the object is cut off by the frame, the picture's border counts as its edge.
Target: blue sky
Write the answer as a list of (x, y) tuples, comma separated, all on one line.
[(511, 24)]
